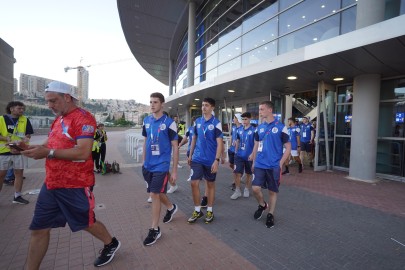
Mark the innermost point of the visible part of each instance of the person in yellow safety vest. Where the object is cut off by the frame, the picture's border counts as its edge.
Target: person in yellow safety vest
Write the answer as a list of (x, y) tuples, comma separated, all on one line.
[(15, 128), (102, 139), (95, 152), (181, 128)]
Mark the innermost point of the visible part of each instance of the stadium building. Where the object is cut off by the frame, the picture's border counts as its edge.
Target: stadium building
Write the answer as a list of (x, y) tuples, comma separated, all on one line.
[(340, 62)]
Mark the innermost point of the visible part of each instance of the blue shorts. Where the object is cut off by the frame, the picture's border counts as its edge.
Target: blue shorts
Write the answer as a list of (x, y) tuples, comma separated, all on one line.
[(55, 207), (242, 166), (198, 171), (306, 146), (269, 178), (231, 156), (156, 182)]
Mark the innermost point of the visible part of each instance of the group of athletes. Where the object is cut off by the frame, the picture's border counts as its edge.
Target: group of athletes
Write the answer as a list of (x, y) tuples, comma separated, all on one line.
[(66, 195), (257, 151)]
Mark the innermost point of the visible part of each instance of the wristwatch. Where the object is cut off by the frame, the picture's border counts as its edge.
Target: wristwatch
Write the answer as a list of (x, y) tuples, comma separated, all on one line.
[(51, 154), (217, 159)]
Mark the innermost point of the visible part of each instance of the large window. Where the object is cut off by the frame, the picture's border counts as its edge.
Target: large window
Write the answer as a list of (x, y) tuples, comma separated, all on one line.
[(391, 127), (237, 33)]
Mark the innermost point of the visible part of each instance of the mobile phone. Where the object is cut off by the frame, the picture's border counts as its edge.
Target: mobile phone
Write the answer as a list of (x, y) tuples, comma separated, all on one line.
[(15, 146)]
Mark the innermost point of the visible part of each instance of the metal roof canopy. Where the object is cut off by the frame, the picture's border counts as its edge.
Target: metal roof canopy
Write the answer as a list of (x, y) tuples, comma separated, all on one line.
[(154, 29)]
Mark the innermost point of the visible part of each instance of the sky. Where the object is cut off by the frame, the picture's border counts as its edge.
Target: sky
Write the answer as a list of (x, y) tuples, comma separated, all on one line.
[(48, 35)]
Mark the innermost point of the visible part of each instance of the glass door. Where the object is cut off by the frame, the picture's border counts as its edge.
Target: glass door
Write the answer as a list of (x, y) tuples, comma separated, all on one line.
[(325, 126), (343, 131)]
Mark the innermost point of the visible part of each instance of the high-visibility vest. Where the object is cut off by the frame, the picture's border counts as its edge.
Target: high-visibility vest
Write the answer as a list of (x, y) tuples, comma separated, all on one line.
[(17, 135)]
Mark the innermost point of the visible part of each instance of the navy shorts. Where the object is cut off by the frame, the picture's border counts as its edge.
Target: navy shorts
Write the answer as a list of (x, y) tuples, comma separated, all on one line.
[(269, 178), (231, 156), (200, 171), (306, 146), (56, 207), (156, 182), (242, 166)]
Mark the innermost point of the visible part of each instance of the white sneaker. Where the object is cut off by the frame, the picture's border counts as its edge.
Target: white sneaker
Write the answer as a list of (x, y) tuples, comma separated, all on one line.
[(149, 200), (236, 194), (179, 166), (246, 193), (172, 189)]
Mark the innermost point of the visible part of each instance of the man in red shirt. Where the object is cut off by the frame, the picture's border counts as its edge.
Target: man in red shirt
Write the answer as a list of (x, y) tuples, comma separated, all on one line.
[(65, 196)]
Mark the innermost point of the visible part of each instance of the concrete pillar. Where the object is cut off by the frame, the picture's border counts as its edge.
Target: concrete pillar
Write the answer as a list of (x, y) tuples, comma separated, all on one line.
[(191, 43), (171, 73), (369, 12), (366, 104), (287, 108)]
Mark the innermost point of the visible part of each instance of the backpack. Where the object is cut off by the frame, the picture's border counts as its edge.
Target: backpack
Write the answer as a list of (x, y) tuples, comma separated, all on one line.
[(115, 167), (106, 167), (110, 167)]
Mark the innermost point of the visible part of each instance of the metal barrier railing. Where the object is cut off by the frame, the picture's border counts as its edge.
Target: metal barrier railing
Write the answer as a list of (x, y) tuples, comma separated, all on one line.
[(134, 145)]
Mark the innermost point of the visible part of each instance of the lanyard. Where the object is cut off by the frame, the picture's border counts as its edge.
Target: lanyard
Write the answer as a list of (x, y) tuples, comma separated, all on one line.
[(205, 130), (268, 130), (246, 131), (65, 129), (158, 132)]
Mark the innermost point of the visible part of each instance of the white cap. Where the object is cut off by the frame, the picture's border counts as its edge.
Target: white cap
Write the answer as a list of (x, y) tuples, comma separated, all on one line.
[(61, 87), (239, 117)]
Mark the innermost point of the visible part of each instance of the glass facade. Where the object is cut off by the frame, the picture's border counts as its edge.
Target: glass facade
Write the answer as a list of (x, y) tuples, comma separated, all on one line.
[(343, 125), (231, 34), (391, 137), (180, 73)]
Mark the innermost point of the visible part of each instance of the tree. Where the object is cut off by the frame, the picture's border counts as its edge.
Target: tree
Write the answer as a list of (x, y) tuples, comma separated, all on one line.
[(143, 117)]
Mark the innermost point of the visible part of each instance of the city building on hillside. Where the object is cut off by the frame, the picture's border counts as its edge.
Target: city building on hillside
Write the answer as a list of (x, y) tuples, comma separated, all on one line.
[(338, 62), (32, 87)]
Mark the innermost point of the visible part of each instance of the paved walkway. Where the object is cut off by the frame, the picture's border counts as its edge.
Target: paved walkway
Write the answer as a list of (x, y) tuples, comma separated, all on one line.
[(323, 221)]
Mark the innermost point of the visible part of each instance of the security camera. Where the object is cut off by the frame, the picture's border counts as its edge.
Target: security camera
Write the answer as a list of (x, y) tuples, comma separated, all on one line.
[(320, 72)]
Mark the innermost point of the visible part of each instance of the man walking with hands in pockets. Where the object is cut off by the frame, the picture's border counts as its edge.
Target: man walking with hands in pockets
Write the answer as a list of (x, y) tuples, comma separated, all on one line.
[(268, 159), (205, 153)]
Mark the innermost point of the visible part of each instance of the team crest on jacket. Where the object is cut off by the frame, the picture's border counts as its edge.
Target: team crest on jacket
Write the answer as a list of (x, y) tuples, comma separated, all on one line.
[(249, 132), (147, 125), (274, 130), (211, 127), (163, 126), (198, 125), (261, 130)]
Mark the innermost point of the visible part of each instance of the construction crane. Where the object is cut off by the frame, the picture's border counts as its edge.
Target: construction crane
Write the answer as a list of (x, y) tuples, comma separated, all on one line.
[(82, 81), (97, 64)]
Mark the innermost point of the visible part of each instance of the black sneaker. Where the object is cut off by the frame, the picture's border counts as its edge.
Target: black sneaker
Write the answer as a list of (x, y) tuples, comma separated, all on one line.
[(285, 172), (20, 200), (270, 221), (209, 217), (169, 214), (107, 253), (300, 168), (153, 235), (196, 215), (259, 212), (204, 201)]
